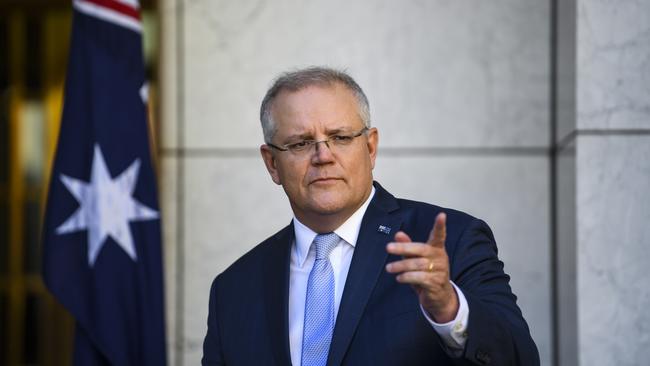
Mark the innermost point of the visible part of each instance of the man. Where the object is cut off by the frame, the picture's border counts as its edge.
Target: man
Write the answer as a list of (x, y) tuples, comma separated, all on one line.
[(359, 277)]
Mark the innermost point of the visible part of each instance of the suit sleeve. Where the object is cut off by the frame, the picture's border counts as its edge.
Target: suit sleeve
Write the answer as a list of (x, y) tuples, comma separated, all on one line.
[(212, 354), (497, 331)]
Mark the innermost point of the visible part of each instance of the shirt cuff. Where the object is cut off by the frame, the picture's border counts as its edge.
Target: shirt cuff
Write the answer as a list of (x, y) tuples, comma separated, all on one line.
[(453, 333)]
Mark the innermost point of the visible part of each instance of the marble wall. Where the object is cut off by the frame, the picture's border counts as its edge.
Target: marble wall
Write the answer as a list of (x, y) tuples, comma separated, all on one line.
[(459, 91), (604, 185), (613, 64), (613, 210)]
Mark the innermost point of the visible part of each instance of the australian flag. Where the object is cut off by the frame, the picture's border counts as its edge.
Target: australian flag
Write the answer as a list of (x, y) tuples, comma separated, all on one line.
[(102, 241)]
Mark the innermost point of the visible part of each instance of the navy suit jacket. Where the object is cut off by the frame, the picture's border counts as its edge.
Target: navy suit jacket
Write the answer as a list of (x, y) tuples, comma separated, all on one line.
[(379, 320)]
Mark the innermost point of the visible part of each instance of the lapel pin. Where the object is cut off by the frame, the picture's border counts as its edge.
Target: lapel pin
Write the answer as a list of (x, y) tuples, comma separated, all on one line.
[(383, 229)]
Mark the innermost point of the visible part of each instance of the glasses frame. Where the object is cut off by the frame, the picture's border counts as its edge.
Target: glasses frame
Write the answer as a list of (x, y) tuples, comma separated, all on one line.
[(314, 143)]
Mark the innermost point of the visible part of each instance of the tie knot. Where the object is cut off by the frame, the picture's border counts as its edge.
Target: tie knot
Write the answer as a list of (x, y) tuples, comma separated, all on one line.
[(324, 244)]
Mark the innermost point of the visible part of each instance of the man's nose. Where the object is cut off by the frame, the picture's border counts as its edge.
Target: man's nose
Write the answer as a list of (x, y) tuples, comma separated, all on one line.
[(322, 152)]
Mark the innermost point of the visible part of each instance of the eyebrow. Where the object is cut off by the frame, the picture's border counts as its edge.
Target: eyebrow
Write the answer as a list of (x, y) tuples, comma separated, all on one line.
[(298, 137), (309, 136)]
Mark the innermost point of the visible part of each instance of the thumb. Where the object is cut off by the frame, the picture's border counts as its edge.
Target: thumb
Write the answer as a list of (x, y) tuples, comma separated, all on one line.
[(439, 232)]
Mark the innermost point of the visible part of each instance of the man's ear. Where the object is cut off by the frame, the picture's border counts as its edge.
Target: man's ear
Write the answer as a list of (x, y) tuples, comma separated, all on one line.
[(373, 141), (269, 161)]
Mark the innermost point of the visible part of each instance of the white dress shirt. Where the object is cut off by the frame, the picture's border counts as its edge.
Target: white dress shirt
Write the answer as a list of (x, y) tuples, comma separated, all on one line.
[(302, 260)]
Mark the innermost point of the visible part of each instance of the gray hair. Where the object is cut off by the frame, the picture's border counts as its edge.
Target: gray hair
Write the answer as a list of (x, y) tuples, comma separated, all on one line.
[(294, 81)]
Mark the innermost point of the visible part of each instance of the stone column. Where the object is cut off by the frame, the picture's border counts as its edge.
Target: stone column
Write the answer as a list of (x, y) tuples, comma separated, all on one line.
[(603, 181)]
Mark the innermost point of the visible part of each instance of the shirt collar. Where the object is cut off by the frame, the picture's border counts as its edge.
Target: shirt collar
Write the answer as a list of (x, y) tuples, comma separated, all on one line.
[(348, 231)]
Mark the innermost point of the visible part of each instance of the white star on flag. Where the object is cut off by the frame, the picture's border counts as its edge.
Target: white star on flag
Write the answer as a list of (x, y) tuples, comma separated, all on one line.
[(106, 207)]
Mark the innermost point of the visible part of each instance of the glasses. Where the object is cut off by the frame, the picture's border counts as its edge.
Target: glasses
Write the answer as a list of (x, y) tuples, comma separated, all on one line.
[(305, 147)]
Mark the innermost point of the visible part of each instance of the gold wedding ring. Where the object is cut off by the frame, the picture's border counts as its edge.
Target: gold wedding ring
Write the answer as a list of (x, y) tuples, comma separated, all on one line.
[(430, 269)]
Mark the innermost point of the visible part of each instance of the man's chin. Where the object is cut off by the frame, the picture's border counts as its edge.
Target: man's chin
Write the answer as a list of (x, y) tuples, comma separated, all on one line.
[(325, 203), (326, 209)]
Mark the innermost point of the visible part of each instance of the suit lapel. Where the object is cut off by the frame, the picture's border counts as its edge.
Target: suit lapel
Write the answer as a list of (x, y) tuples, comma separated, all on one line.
[(367, 264), (276, 294)]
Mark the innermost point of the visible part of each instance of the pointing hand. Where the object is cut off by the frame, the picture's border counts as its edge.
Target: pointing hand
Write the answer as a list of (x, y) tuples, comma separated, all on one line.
[(426, 267)]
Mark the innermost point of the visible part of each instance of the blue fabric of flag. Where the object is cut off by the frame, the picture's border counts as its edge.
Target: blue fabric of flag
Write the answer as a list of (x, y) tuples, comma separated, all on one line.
[(117, 300)]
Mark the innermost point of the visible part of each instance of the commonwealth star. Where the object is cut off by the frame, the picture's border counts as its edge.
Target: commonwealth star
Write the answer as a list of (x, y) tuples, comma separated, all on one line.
[(106, 207)]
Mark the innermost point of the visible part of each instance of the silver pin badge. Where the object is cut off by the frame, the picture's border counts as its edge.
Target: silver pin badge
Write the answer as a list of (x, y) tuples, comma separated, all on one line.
[(383, 229)]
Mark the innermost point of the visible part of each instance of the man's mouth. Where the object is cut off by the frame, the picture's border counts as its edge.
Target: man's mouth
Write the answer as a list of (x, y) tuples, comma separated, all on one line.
[(324, 180)]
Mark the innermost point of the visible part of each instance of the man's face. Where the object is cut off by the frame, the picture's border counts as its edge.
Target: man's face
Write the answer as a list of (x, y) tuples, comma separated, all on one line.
[(326, 182)]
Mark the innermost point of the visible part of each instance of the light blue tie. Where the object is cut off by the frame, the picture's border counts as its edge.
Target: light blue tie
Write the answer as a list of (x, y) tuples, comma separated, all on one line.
[(319, 304)]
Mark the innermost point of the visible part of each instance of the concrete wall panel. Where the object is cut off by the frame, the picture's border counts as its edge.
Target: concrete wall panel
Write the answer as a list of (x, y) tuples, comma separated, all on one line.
[(461, 73)]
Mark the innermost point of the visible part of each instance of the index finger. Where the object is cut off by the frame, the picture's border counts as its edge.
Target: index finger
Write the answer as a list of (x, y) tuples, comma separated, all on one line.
[(439, 232)]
